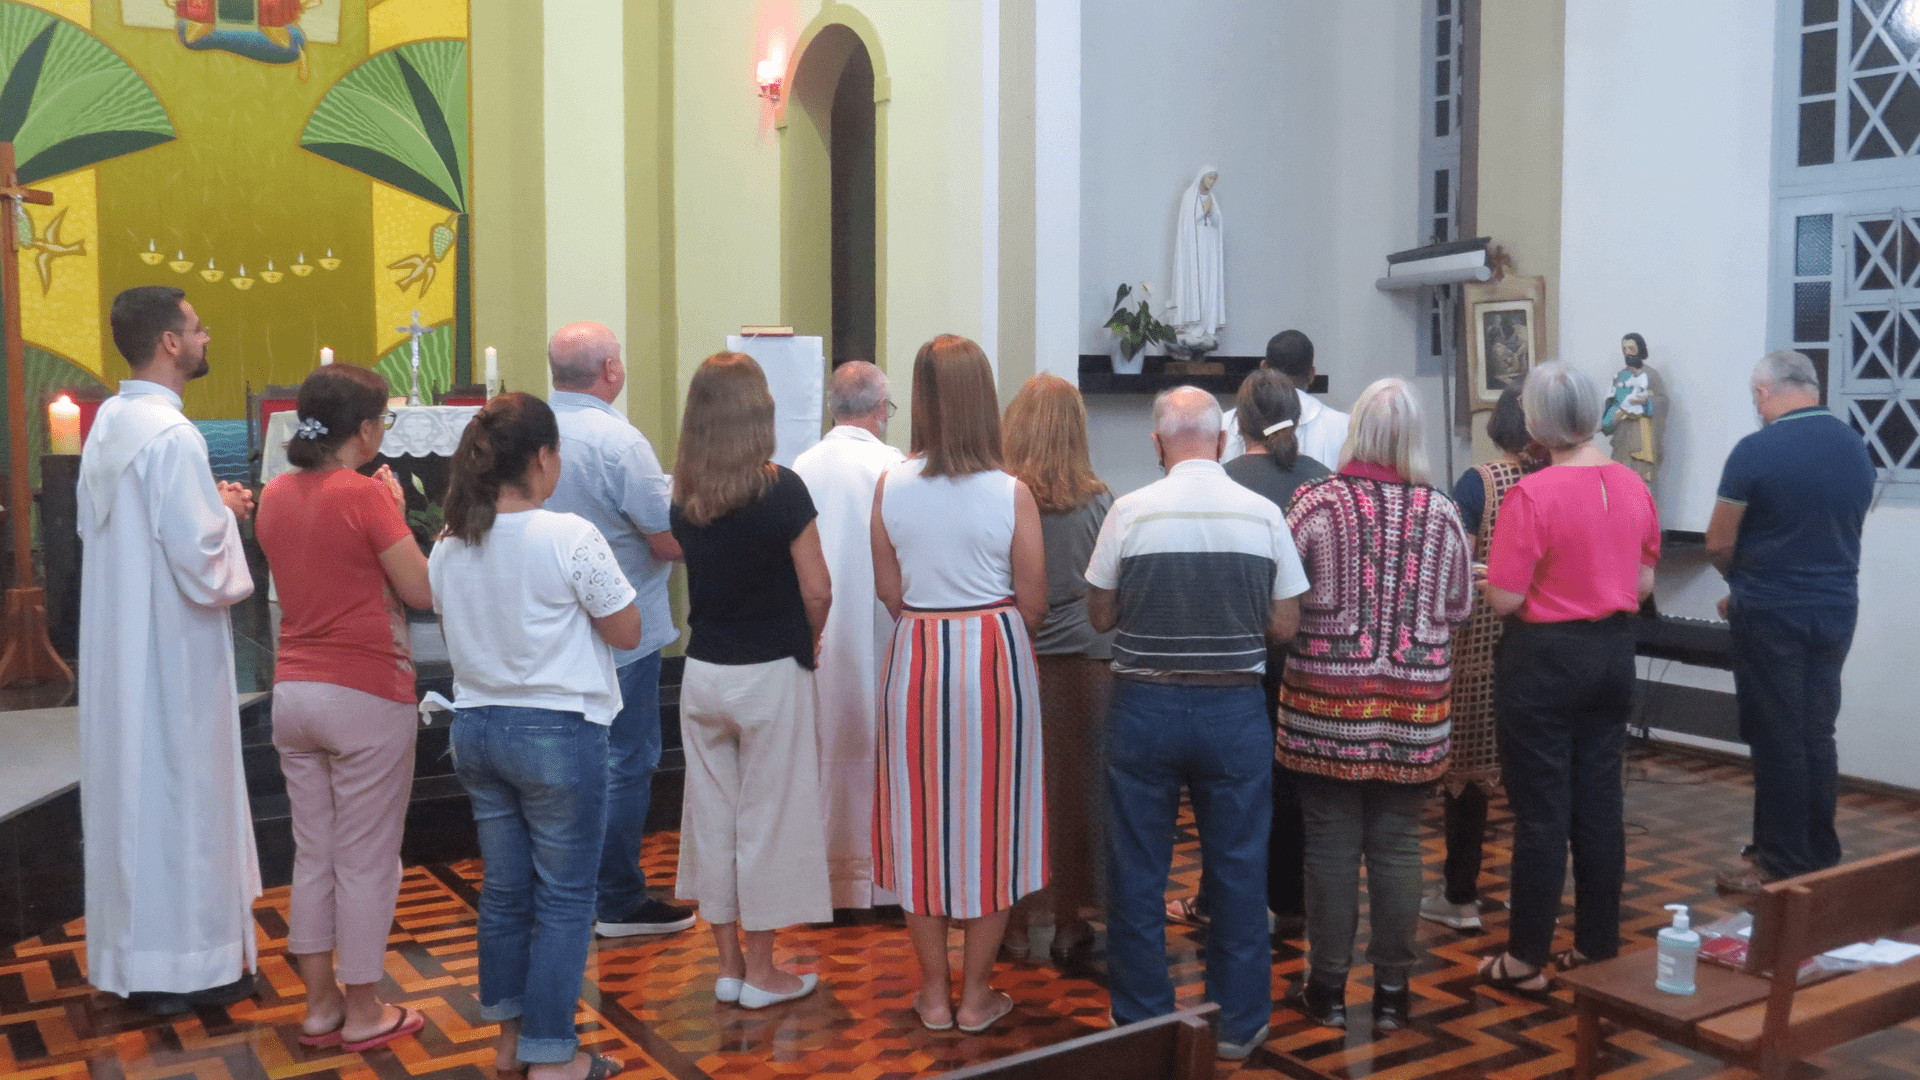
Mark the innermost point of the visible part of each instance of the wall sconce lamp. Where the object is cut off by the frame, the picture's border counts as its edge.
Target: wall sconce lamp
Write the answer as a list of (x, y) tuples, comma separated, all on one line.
[(768, 75)]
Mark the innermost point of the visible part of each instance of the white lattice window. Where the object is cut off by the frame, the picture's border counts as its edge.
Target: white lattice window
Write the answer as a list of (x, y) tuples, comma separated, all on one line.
[(1846, 252)]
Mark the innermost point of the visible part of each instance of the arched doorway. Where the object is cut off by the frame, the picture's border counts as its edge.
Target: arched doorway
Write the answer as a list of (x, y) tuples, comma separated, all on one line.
[(830, 218)]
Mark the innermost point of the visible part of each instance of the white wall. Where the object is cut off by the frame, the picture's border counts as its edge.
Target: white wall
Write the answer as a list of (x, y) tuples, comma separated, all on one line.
[(586, 176), (1666, 213), (1309, 111), (1665, 209)]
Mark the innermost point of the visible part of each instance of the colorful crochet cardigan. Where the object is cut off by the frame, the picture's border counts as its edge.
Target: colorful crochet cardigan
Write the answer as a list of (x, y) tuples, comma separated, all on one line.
[(1365, 691)]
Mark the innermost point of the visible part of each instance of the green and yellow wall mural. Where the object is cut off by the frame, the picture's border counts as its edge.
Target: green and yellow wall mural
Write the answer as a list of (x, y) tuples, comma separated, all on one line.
[(299, 167)]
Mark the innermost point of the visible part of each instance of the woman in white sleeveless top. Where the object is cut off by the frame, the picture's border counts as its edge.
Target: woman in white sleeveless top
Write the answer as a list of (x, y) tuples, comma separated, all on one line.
[(960, 818)]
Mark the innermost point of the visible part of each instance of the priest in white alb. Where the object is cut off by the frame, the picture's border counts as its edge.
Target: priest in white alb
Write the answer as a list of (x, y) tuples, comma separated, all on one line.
[(170, 866), (841, 471)]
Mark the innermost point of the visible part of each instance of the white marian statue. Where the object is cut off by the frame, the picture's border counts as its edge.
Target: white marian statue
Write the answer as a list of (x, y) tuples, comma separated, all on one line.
[(1199, 266)]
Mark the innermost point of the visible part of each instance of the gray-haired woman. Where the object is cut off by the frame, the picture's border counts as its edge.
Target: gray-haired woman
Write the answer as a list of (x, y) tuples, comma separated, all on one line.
[(1572, 558)]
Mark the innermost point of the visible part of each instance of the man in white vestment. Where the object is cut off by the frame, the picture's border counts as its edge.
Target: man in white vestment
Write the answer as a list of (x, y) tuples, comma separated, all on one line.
[(841, 471), (170, 867), (1322, 431)]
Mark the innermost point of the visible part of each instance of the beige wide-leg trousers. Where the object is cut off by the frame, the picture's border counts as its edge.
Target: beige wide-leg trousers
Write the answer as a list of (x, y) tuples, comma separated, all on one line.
[(753, 843)]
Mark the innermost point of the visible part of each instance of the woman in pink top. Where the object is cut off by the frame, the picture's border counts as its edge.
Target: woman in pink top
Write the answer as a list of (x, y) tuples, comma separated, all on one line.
[(1572, 559)]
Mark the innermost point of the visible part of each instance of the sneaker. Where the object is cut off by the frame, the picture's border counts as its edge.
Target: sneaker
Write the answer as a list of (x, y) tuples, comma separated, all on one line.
[(1227, 1051), (1391, 1007), (1435, 908), (653, 917), (1324, 1005)]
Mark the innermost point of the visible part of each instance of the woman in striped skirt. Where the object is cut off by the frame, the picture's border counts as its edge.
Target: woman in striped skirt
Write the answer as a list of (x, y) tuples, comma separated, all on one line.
[(960, 821)]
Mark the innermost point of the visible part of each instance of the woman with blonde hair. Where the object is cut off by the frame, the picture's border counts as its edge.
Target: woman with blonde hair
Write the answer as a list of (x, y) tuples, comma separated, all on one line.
[(1046, 449), (753, 843), (958, 559), (1363, 702)]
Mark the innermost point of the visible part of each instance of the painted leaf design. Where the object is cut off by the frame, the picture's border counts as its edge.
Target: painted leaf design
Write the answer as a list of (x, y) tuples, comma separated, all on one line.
[(401, 118), (436, 364), (68, 101)]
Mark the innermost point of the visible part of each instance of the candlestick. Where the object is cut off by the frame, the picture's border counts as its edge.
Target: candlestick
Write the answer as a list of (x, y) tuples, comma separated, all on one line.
[(493, 372), (326, 356), (63, 426)]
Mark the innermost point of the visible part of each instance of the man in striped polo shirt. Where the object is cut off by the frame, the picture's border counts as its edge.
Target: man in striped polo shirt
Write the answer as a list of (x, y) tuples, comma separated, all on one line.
[(1197, 573)]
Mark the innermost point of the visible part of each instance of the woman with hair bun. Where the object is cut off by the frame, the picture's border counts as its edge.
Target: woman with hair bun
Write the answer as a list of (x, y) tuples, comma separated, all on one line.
[(533, 605), (344, 562)]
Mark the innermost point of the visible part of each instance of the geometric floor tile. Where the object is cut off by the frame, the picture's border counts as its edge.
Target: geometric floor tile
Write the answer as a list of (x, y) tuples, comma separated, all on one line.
[(649, 1002)]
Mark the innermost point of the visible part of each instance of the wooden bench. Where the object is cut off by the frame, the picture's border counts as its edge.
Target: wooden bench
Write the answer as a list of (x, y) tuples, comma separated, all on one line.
[(1176, 1047), (1761, 1017)]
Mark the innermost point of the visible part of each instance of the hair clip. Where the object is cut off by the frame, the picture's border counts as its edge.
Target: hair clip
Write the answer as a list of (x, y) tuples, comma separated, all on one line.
[(1281, 426), (310, 429)]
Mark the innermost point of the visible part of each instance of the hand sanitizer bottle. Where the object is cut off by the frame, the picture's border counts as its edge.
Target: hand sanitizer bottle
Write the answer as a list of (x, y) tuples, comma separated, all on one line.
[(1679, 951)]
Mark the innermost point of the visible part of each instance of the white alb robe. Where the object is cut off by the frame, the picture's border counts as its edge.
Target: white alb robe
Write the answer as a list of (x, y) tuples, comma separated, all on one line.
[(170, 864), (841, 471)]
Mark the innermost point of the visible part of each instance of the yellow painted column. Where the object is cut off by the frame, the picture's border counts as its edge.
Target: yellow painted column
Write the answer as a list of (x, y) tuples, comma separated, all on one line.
[(509, 190)]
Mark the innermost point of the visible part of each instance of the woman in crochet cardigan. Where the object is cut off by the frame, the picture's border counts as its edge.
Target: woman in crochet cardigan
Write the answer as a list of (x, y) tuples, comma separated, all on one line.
[(1364, 699)]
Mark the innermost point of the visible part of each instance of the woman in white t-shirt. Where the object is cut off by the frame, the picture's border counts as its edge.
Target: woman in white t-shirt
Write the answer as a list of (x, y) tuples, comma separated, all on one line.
[(533, 605)]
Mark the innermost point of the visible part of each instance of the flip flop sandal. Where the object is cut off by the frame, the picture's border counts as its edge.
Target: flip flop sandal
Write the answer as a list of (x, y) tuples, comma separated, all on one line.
[(930, 1025), (324, 1038), (1496, 971), (1185, 911), (409, 1022), (1006, 1006), (599, 1068)]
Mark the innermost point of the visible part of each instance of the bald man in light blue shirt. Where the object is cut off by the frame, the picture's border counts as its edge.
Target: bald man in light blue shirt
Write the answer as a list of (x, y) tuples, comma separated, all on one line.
[(610, 476)]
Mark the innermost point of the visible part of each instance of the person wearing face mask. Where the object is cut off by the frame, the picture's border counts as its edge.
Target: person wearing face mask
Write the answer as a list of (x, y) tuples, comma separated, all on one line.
[(1786, 533)]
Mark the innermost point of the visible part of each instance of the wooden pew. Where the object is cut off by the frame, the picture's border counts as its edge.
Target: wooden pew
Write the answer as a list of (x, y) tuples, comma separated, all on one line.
[(1176, 1047), (1761, 1017)]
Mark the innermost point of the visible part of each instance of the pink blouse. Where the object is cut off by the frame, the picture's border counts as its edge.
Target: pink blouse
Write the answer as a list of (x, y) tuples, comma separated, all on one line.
[(1572, 539)]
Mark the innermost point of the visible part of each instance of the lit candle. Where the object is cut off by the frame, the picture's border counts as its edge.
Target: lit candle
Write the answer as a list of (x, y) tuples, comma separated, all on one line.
[(493, 369), (326, 356), (63, 426)]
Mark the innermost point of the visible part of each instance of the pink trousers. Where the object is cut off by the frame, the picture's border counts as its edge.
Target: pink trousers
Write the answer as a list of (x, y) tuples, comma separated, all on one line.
[(348, 759)]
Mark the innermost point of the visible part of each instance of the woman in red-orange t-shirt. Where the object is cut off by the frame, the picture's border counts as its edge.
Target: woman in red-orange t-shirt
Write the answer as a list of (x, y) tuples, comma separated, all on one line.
[(343, 563)]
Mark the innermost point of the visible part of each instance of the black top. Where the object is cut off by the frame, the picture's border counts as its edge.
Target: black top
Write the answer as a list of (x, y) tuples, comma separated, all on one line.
[(743, 595), (1806, 483), (1263, 474)]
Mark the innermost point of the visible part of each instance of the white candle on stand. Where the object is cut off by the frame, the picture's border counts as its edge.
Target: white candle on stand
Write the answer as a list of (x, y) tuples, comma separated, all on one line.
[(326, 357), (493, 370), (63, 426)]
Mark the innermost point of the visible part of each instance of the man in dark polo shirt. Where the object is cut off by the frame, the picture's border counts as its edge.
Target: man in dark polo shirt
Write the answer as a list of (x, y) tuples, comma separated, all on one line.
[(1786, 533), (1198, 573)]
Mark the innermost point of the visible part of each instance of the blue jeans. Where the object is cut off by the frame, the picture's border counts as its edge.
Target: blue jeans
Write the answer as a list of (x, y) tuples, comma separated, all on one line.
[(1215, 742), (538, 782), (633, 752), (1786, 673)]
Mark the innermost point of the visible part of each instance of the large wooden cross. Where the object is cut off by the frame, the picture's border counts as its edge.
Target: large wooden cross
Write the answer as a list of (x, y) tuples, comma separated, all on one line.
[(28, 655)]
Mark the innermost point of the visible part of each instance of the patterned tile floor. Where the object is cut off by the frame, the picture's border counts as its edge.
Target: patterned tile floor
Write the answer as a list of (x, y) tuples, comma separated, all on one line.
[(650, 1003)]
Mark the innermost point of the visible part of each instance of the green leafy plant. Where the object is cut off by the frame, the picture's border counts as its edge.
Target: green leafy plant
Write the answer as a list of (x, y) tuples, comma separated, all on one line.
[(426, 523), (69, 101), (1136, 327)]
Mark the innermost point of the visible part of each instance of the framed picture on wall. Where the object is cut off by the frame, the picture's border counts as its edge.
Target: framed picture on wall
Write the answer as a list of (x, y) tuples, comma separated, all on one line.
[(1502, 343)]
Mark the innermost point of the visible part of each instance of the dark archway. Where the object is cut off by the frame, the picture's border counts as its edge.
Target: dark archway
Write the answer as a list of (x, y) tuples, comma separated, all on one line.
[(851, 164)]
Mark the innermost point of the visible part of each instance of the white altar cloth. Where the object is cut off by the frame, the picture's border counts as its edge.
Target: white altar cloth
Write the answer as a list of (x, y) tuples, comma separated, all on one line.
[(418, 431)]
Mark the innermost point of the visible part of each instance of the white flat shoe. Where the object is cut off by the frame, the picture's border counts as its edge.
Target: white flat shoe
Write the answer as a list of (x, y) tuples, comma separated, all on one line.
[(728, 990), (752, 997)]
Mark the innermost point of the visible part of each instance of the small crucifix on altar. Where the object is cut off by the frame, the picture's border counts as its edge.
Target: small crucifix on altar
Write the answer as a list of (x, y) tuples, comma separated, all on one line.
[(415, 331), (28, 656)]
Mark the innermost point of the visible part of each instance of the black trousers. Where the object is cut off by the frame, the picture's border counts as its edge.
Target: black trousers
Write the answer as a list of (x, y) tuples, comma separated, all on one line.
[(1562, 696), (1466, 827)]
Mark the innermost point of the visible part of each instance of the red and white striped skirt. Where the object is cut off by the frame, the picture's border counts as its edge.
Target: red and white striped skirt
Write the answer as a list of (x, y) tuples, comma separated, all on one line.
[(960, 824)]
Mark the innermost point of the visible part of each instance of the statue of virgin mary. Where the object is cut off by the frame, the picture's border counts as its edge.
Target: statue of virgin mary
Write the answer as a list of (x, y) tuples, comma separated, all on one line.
[(1199, 266)]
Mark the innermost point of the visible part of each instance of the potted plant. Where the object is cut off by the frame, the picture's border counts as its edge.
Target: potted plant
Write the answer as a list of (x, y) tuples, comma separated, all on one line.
[(1134, 329)]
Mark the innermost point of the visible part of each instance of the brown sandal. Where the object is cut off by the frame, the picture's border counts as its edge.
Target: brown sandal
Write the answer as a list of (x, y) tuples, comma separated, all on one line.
[(1498, 972)]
